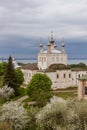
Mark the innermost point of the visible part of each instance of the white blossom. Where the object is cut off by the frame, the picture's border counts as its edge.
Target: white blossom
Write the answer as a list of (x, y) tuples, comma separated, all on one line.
[(15, 115), (6, 92), (50, 114)]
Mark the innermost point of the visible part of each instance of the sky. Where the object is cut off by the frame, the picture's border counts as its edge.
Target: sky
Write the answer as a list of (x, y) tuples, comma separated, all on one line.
[(24, 22)]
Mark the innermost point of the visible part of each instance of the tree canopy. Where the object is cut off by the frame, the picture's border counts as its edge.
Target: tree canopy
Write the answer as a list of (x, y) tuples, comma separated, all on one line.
[(3, 66), (19, 76), (10, 78), (39, 88)]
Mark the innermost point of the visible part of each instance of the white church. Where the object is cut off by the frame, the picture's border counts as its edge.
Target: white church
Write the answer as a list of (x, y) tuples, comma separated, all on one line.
[(51, 55), (60, 78)]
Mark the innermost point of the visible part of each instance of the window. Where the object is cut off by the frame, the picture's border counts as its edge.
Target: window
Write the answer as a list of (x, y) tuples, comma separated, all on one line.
[(79, 76), (85, 90), (57, 76), (64, 75), (69, 75)]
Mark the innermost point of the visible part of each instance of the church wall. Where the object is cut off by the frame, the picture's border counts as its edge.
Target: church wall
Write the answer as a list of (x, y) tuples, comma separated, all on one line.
[(42, 61), (57, 58), (60, 78), (28, 75)]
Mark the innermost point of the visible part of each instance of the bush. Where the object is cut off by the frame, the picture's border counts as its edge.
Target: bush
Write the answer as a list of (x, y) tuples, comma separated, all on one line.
[(53, 115), (15, 115), (6, 92), (19, 76), (39, 88)]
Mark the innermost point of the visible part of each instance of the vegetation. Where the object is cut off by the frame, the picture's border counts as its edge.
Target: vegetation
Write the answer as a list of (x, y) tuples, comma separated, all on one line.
[(54, 67), (79, 66), (13, 78), (39, 88), (19, 76), (48, 114), (63, 115), (10, 78), (6, 92), (66, 95), (1, 81), (15, 115), (3, 66)]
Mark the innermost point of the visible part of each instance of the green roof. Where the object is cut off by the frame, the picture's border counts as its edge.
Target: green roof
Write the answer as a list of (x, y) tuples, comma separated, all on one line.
[(83, 78)]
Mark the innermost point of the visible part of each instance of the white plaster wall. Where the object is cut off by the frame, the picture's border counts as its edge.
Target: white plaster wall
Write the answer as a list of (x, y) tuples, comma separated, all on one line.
[(57, 82), (28, 75), (51, 58)]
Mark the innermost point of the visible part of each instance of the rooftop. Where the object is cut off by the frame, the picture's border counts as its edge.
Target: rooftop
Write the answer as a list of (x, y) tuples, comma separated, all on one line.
[(31, 66), (53, 51)]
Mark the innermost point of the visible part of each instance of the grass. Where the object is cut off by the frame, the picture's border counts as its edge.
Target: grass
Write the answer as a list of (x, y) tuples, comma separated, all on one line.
[(70, 92), (67, 89), (20, 93)]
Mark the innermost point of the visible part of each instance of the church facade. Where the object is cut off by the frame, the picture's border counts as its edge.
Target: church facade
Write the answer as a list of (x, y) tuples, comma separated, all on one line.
[(51, 55)]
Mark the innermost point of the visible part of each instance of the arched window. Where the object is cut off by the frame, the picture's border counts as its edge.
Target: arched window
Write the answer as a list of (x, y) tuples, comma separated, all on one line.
[(64, 75), (57, 76)]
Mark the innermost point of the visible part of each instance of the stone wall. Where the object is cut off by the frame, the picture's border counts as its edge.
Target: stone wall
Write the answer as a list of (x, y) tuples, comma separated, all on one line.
[(60, 78)]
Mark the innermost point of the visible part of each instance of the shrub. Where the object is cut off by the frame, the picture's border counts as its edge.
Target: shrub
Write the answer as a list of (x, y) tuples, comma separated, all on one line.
[(6, 92), (19, 76), (15, 115), (53, 115), (39, 88)]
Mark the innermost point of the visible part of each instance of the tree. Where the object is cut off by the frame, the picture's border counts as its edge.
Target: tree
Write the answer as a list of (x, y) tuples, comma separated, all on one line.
[(39, 88), (3, 66), (10, 78), (19, 76)]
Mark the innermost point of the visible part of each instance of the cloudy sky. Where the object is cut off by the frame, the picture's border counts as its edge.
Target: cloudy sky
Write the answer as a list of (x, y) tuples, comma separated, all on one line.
[(24, 22)]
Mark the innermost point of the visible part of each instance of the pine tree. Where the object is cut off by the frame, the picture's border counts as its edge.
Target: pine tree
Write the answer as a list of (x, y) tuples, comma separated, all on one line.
[(10, 78)]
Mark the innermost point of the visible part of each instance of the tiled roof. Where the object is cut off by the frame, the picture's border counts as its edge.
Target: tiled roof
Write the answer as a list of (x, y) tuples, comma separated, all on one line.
[(32, 66)]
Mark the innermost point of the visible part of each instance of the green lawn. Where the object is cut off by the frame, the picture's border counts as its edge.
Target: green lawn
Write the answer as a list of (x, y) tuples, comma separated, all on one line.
[(70, 92), (66, 95)]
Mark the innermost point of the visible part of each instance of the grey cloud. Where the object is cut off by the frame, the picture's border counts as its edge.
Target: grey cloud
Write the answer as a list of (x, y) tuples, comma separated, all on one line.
[(21, 20)]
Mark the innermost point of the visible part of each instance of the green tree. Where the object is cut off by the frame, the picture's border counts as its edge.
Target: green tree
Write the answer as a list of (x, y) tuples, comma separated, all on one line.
[(10, 78), (39, 88), (3, 66), (19, 76)]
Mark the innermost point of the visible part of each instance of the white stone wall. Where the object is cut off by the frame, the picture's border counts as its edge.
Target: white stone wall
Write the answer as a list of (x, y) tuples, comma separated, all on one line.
[(28, 75), (45, 60), (60, 78), (59, 58), (42, 61)]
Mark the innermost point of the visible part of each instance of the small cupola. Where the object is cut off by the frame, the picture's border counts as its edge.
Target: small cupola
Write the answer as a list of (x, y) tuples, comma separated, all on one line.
[(41, 47), (63, 46)]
